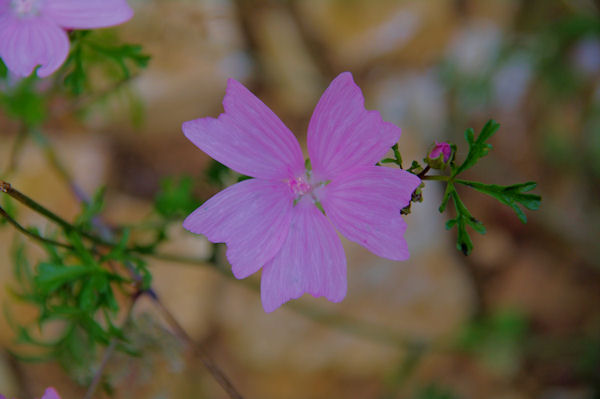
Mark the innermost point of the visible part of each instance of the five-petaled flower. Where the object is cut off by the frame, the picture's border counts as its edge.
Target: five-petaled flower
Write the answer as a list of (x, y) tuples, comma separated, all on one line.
[(32, 32), (276, 220)]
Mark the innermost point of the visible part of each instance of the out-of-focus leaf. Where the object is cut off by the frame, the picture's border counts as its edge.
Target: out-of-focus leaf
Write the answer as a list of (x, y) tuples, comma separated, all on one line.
[(434, 391), (175, 198), (497, 339), (50, 276), (91, 209), (3, 70), (24, 102)]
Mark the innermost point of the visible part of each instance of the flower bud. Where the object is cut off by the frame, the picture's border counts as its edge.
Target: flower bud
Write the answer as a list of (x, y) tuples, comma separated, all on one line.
[(439, 156)]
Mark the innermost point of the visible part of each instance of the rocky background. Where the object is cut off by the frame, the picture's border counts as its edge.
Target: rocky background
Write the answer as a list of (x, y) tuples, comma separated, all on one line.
[(518, 318)]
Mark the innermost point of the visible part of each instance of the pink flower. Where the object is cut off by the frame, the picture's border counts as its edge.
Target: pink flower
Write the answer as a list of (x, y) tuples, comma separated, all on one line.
[(32, 32), (51, 392), (273, 221), (442, 148)]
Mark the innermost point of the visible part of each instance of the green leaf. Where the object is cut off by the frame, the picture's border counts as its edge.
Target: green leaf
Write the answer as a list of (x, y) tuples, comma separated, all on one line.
[(81, 251), (510, 195), (50, 276), (463, 218), (478, 148)]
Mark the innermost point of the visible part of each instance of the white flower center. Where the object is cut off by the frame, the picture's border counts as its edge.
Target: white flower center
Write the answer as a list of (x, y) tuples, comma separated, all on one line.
[(26, 8)]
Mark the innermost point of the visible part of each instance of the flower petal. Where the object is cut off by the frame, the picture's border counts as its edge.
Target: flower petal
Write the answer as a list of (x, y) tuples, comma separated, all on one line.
[(248, 137), (252, 217), (342, 134), (364, 205), (87, 14), (28, 42), (310, 260), (50, 394)]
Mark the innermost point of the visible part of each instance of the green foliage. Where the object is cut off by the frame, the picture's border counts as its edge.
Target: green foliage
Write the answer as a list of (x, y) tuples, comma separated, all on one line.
[(497, 340), (511, 195), (434, 391), (478, 148), (462, 219), (217, 173), (75, 290), (9, 207), (91, 50), (24, 102), (3, 70), (175, 198), (91, 209)]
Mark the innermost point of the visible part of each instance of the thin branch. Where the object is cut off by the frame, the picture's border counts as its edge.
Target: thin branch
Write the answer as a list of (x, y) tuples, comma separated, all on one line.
[(31, 234), (16, 150), (198, 350), (110, 350), (5, 187)]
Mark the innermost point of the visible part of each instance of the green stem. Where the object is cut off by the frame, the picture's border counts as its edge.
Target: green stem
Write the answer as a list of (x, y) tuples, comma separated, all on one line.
[(437, 177), (397, 155), (31, 234), (5, 187)]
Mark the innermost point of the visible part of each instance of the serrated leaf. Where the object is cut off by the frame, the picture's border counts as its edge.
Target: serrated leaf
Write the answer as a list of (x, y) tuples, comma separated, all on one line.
[(462, 219), (510, 195), (478, 148)]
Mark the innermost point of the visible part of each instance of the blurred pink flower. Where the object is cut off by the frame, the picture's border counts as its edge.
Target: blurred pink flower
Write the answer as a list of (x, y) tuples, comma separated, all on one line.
[(49, 394), (32, 32), (441, 148), (274, 221)]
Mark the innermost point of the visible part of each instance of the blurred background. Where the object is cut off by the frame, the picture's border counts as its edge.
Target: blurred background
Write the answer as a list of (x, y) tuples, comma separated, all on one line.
[(518, 318)]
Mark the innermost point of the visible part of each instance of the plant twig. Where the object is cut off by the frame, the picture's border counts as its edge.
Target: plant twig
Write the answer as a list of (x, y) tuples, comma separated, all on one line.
[(16, 150), (5, 187), (109, 351), (31, 234), (198, 350)]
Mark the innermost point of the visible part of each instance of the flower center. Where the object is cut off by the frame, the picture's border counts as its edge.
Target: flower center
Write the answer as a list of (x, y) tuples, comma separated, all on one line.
[(300, 186), (26, 8)]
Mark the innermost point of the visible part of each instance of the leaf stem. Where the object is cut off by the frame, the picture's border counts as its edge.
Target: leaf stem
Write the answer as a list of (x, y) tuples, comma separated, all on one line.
[(437, 177), (5, 187), (198, 350), (31, 234)]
